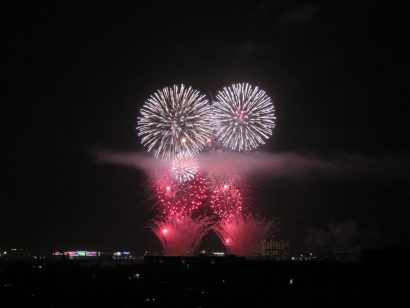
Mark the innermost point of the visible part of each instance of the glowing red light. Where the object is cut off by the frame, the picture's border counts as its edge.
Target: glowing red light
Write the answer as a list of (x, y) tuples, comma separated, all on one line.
[(164, 231), (175, 198), (226, 201), (240, 233)]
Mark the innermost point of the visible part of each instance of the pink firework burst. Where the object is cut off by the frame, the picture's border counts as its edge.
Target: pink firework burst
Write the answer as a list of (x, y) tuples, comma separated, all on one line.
[(180, 235), (226, 201), (240, 233), (178, 199)]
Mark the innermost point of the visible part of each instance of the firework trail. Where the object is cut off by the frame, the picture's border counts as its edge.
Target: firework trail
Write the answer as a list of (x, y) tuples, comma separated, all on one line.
[(180, 235), (184, 166), (241, 233), (243, 116), (174, 120), (177, 199)]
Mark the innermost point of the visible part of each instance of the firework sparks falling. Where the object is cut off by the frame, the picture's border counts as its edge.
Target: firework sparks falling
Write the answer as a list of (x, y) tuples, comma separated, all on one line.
[(174, 120), (244, 117), (241, 233), (175, 124), (184, 166), (177, 199), (226, 201), (180, 235)]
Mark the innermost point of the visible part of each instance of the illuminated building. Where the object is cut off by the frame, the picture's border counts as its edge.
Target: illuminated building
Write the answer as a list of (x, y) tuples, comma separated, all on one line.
[(121, 255), (79, 254), (272, 248), (84, 254)]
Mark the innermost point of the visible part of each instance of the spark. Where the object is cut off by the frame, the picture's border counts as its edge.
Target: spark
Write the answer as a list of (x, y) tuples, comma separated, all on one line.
[(226, 201), (243, 116), (174, 120), (241, 233), (178, 199), (184, 166), (183, 233)]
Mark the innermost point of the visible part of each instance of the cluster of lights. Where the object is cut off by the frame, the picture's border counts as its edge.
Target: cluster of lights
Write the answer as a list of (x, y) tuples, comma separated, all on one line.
[(176, 123), (78, 253), (180, 235), (226, 201), (174, 120), (184, 167), (243, 116), (176, 199), (241, 232)]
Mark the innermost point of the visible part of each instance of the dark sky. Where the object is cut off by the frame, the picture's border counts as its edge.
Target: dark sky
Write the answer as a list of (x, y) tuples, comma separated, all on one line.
[(74, 77)]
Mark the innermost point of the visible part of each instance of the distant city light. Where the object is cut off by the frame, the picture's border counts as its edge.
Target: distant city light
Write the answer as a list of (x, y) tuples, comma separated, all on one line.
[(135, 276), (121, 253), (219, 254), (79, 253)]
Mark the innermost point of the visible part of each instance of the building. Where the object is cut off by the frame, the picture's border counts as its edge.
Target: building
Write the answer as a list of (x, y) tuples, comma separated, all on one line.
[(80, 254), (122, 255), (273, 248), (93, 255)]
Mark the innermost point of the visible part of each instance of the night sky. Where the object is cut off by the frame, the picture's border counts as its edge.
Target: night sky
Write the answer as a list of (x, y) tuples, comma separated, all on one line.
[(74, 77)]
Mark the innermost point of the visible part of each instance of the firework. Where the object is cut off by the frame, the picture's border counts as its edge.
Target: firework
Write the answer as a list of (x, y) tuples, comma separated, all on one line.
[(178, 199), (180, 235), (184, 166), (226, 201), (174, 120), (244, 117), (241, 233)]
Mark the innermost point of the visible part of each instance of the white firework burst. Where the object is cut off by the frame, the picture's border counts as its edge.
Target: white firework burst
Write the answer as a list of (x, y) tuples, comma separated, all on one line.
[(184, 166), (244, 117), (174, 120)]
